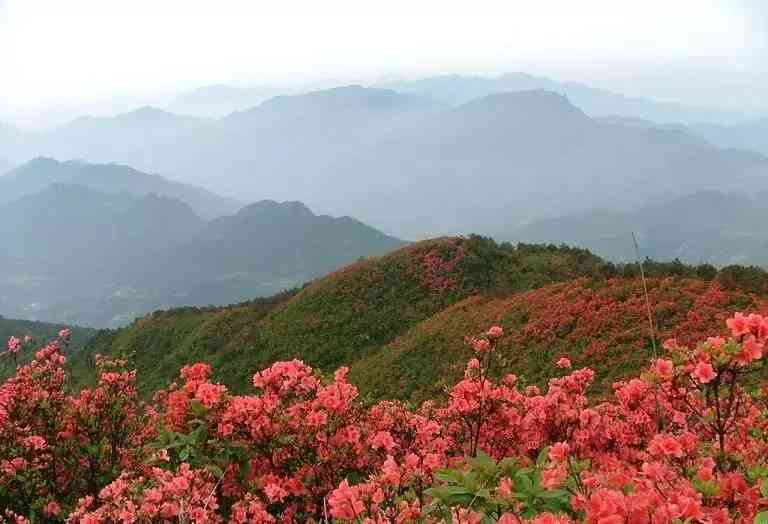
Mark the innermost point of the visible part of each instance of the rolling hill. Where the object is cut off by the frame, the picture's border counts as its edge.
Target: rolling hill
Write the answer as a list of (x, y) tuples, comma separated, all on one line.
[(399, 321), (73, 254)]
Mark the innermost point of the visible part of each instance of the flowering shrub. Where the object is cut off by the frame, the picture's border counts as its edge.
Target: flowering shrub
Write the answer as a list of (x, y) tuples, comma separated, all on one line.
[(686, 440)]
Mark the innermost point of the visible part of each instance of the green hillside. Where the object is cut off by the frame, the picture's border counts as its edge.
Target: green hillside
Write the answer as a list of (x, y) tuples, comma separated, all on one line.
[(41, 332), (339, 319), (399, 321), (595, 322)]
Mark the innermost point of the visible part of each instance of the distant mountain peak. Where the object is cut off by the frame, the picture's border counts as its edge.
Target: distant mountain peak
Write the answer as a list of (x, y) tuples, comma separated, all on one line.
[(349, 97), (540, 97), (40, 161), (147, 112), (268, 208), (113, 178), (537, 105)]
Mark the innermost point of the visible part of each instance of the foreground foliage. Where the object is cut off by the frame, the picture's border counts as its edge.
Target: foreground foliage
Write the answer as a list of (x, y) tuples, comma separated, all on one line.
[(684, 441)]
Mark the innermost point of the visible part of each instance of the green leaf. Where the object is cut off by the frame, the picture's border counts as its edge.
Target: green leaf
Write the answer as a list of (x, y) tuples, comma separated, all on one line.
[(451, 495), (555, 494), (761, 518), (522, 482), (483, 461), (543, 457), (508, 466), (449, 476), (215, 470), (484, 494)]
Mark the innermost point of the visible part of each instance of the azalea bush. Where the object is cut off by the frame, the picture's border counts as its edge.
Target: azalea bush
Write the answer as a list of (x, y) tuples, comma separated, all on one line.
[(685, 440)]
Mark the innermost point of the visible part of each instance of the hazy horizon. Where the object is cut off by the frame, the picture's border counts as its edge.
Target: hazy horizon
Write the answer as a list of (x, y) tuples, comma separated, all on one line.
[(700, 53)]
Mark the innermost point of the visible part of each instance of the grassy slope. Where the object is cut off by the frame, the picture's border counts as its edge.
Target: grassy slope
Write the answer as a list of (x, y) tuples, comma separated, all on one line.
[(599, 323), (41, 332), (399, 320), (339, 319)]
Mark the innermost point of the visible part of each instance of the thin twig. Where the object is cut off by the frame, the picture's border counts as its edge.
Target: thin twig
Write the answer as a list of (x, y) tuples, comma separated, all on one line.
[(653, 331), (647, 299), (208, 498)]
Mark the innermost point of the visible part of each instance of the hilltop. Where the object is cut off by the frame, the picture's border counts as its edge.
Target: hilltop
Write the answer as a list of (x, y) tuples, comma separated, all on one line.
[(349, 317), (399, 321)]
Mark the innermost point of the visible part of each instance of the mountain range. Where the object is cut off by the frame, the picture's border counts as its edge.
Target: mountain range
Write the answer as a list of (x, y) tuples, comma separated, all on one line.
[(456, 90), (453, 90), (87, 251), (364, 152), (750, 135), (709, 226), (41, 172), (219, 100)]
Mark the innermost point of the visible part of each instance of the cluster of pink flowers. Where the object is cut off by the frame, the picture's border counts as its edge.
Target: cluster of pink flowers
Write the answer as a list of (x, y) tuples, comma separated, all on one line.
[(684, 441), (438, 270), (14, 344)]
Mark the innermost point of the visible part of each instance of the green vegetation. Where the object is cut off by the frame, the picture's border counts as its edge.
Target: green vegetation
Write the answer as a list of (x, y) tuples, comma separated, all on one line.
[(399, 321), (40, 332)]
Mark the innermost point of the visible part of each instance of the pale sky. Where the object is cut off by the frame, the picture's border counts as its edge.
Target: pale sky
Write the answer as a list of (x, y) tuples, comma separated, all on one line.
[(71, 53)]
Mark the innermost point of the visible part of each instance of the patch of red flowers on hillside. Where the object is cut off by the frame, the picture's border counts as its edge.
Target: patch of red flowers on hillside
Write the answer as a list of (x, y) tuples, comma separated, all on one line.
[(683, 441)]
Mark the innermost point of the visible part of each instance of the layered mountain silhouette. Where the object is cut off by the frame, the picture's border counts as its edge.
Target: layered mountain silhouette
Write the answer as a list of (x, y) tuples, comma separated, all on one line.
[(74, 253), (220, 100), (39, 173), (713, 227), (267, 246), (460, 89), (146, 139), (751, 135), (414, 167)]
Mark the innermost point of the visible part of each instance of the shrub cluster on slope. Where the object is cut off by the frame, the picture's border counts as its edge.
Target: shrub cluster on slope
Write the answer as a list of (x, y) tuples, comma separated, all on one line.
[(338, 319), (685, 440), (34, 334), (399, 320), (596, 322)]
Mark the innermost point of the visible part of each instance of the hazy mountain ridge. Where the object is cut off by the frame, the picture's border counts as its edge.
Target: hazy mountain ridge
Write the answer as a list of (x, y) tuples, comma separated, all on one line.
[(364, 152), (460, 89), (38, 173), (75, 254), (218, 100), (370, 143), (750, 135), (538, 155), (708, 226)]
